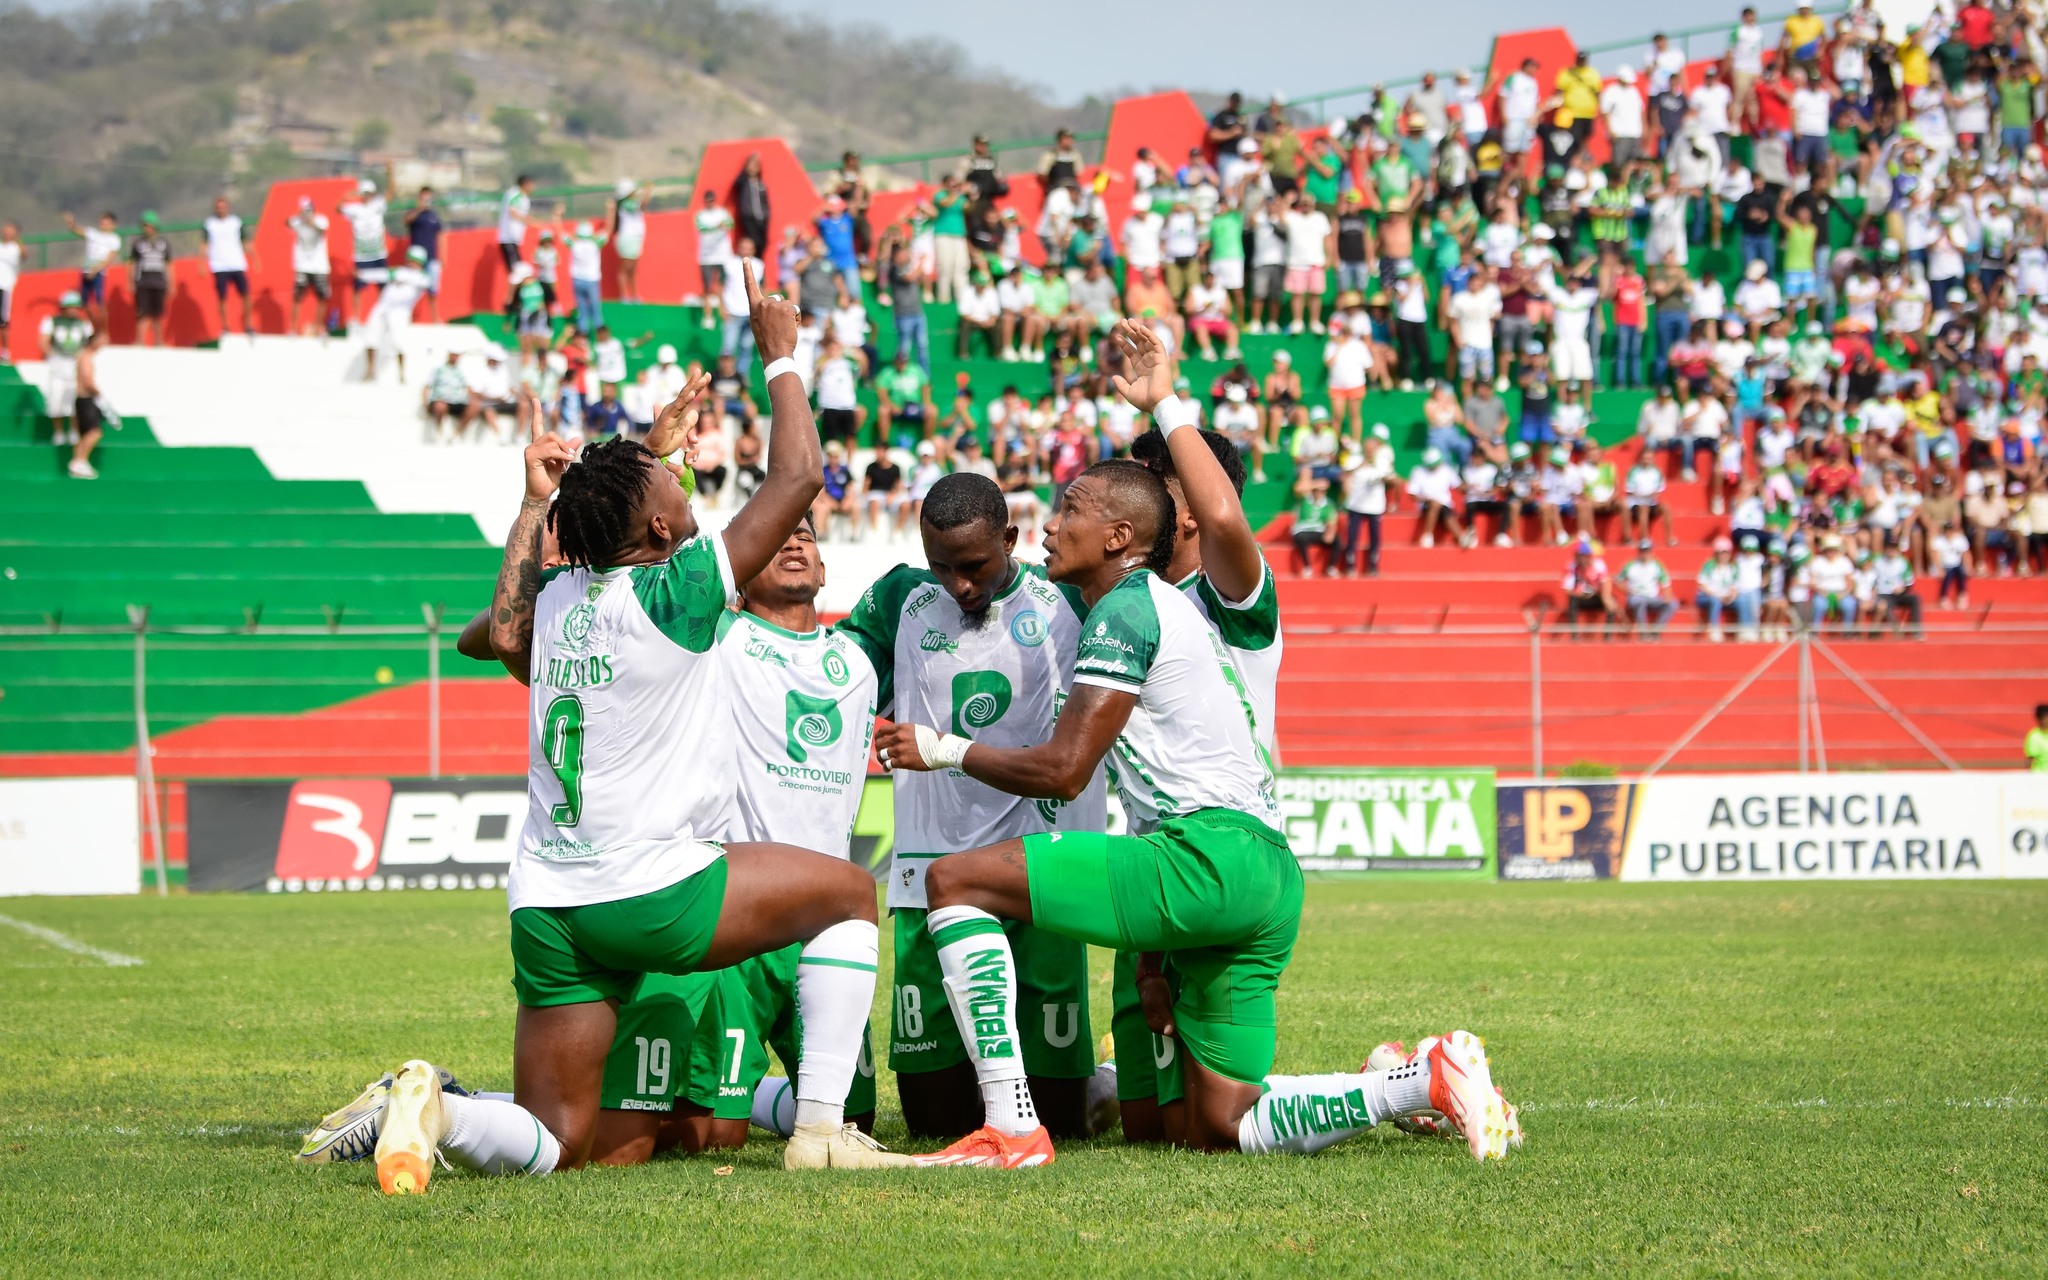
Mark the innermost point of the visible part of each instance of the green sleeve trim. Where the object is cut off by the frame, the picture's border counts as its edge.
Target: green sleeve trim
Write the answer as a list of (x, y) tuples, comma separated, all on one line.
[(1072, 595), (1251, 624), (687, 594), (874, 622), (952, 933), (1120, 636)]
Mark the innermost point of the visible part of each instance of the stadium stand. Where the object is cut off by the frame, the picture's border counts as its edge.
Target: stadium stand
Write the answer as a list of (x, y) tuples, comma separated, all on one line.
[(270, 486)]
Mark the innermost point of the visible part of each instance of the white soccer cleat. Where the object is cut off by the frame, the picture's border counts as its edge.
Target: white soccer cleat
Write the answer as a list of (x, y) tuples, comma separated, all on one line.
[(409, 1137), (349, 1133), (1461, 1087), (822, 1146)]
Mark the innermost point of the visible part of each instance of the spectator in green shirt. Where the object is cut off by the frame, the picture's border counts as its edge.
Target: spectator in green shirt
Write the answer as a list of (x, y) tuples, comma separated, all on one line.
[(2037, 740), (949, 236), (2016, 106), (903, 399), (1315, 524)]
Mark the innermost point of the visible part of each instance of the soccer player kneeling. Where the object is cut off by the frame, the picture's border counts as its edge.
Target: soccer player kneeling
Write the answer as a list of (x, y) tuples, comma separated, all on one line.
[(1210, 895)]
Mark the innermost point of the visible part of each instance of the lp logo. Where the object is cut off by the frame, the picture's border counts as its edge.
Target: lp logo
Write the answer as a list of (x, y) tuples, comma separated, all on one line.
[(1551, 816)]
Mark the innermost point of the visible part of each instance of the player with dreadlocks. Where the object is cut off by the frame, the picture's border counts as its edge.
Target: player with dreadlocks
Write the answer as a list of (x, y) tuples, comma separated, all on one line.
[(613, 877)]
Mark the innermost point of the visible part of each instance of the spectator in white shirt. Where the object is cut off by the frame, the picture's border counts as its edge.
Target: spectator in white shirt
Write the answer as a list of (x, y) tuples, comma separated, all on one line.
[(1367, 473), (229, 263), (102, 250), (311, 269), (1713, 107), (1434, 486), (1310, 245), (1621, 106), (1646, 590), (1521, 96)]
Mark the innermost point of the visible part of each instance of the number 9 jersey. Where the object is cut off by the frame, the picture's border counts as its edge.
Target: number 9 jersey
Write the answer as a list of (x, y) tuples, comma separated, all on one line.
[(628, 730)]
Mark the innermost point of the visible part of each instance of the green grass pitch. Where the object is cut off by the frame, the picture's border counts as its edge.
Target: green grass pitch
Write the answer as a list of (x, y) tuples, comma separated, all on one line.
[(1757, 1079)]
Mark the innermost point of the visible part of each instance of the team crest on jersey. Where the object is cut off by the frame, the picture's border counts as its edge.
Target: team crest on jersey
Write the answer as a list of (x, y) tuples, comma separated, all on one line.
[(812, 724), (576, 625), (937, 641), (1028, 628), (835, 667), (980, 698)]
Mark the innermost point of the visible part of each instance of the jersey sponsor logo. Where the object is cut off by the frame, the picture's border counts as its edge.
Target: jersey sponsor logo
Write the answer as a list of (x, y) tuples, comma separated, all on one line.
[(564, 849), (980, 698), (988, 1005), (921, 600), (580, 673), (1104, 665), (936, 641), (1028, 628), (810, 724), (576, 626), (762, 651), (835, 666)]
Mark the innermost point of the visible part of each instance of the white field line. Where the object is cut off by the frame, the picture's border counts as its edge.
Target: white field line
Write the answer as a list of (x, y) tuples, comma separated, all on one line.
[(65, 942)]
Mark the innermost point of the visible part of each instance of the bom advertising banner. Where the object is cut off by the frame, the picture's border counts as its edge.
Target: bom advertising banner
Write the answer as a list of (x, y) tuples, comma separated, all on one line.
[(383, 835), (1390, 820), (1847, 826)]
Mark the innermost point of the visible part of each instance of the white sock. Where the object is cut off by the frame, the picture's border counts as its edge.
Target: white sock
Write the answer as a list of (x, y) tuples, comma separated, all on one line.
[(491, 1097), (497, 1137), (1304, 1114), (981, 986), (835, 987), (775, 1105)]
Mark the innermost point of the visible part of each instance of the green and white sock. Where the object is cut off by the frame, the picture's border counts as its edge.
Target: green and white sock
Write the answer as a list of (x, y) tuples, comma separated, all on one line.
[(775, 1105), (835, 986), (497, 1137), (1305, 1114), (981, 986)]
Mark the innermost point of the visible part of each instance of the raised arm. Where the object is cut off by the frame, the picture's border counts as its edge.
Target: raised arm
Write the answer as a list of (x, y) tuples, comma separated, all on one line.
[(1230, 554), (1058, 769), (677, 425), (519, 575), (796, 465)]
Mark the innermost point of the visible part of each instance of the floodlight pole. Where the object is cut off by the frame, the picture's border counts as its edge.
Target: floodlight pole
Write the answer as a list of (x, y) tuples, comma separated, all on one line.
[(145, 765)]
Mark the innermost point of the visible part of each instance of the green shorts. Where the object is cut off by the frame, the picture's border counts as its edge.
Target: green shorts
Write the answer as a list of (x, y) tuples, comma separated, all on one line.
[(1052, 1003), (574, 955), (1217, 890), (648, 1064), (752, 1010), (1147, 1063)]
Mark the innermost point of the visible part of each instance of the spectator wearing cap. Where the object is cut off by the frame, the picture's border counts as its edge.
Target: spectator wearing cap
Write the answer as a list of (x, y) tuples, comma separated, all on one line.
[(1897, 602), (364, 213), (1712, 106), (1559, 484), (1368, 470), (1830, 575), (1588, 591), (1281, 392), (1621, 107), (490, 392), (1348, 362), (1434, 485), (1238, 419), (150, 257), (1720, 592), (1646, 590), (662, 381), (984, 176), (1315, 525), (1989, 521)]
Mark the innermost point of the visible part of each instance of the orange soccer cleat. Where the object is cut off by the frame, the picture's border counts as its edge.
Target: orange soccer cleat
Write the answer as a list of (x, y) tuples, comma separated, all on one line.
[(991, 1148)]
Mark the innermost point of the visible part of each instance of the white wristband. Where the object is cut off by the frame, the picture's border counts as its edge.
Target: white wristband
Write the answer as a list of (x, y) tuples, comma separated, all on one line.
[(776, 368), (941, 750), (1173, 413)]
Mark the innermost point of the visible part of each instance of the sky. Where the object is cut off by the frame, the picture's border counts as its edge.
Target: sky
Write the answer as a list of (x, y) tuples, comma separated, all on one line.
[(1078, 47)]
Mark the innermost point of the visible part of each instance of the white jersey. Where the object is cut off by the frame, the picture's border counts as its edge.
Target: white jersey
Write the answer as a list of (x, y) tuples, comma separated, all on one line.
[(999, 681), (1250, 629), (408, 284), (224, 244), (1190, 742), (365, 218), (628, 730), (803, 718)]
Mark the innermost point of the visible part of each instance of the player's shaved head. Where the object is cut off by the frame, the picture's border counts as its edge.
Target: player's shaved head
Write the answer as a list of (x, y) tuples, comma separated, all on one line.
[(968, 540)]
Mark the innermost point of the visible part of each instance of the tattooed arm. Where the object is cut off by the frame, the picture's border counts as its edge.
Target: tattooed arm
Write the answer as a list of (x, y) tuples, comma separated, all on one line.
[(519, 576)]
